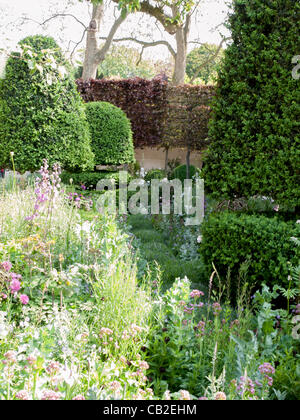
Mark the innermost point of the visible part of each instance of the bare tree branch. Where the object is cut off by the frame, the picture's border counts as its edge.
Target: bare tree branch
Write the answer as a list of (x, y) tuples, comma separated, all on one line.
[(62, 15), (77, 44), (147, 44), (110, 38)]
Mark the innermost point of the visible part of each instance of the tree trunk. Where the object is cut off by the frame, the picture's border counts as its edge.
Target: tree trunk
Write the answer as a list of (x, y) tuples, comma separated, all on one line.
[(188, 163), (182, 35), (180, 59), (90, 59), (166, 159)]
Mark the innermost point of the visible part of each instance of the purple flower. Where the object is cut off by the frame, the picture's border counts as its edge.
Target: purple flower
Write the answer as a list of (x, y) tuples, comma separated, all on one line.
[(266, 369)]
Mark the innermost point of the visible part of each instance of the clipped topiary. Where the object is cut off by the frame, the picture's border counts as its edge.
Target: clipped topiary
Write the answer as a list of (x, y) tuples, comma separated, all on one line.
[(110, 133), (41, 113), (255, 130), (266, 244)]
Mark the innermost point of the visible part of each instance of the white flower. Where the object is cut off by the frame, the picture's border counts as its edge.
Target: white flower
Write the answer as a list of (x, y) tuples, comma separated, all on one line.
[(3, 331), (298, 221), (199, 239), (84, 228)]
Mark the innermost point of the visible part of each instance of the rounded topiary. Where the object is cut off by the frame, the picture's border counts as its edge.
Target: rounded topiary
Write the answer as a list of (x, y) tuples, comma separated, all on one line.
[(180, 172), (111, 134), (155, 174), (255, 145), (41, 113)]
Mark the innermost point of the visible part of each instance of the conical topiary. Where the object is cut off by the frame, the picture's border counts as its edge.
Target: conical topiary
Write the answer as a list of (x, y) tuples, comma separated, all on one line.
[(41, 113), (255, 129)]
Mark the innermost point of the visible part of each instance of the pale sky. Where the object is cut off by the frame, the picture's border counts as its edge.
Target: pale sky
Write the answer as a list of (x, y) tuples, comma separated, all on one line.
[(13, 27)]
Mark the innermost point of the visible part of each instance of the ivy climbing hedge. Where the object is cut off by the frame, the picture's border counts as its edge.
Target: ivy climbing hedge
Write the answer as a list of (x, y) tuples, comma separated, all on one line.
[(41, 113)]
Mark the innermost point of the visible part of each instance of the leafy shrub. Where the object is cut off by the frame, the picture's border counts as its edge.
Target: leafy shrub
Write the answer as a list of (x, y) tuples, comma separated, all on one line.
[(231, 239), (155, 174), (255, 129), (111, 134), (41, 113), (180, 172), (41, 42)]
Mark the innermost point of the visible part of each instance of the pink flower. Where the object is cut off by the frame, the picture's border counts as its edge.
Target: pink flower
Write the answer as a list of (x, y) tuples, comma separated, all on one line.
[(15, 285), (22, 395), (266, 369), (24, 299), (50, 395), (217, 308), (196, 293), (6, 265), (78, 398)]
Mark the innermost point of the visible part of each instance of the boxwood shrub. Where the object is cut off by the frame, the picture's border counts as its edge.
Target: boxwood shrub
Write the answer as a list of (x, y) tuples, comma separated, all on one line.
[(229, 239), (111, 134), (155, 174), (89, 179)]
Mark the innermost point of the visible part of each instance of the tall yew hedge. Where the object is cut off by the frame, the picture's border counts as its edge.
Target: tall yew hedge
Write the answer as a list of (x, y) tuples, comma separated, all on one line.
[(255, 130), (41, 112)]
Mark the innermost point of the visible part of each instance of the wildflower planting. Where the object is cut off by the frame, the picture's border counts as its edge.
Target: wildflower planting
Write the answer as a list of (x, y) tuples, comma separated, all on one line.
[(80, 320), (67, 329)]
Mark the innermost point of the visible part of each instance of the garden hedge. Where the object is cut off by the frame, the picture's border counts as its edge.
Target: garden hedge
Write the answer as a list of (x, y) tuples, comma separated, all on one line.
[(230, 239), (255, 141), (41, 113), (89, 179), (110, 133), (160, 113)]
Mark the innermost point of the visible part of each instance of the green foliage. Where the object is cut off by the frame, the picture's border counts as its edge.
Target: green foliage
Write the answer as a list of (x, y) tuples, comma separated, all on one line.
[(255, 131), (180, 172), (123, 62), (88, 179), (202, 62), (229, 240), (156, 246), (41, 112), (111, 134), (41, 42), (155, 174)]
